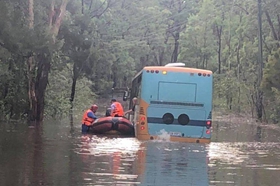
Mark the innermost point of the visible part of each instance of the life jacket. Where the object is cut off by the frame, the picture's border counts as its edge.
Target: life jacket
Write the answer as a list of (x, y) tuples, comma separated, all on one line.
[(86, 120), (118, 110)]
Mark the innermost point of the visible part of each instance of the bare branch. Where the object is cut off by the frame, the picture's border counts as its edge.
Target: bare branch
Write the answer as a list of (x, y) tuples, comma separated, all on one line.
[(239, 6), (278, 19), (271, 26), (51, 13), (98, 15), (97, 10)]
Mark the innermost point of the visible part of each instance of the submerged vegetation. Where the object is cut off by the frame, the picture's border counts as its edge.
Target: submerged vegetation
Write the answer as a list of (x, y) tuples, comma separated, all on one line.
[(59, 54)]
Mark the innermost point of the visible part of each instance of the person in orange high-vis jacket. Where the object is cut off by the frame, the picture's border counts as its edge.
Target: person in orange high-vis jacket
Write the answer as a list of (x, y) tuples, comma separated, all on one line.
[(116, 109), (88, 118)]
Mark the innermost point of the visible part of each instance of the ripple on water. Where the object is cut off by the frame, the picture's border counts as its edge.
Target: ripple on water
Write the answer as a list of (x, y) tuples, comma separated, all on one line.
[(112, 159), (100, 146), (47, 158), (231, 160)]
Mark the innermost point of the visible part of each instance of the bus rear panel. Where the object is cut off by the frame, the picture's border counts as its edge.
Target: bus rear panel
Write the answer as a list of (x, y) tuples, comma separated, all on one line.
[(175, 100)]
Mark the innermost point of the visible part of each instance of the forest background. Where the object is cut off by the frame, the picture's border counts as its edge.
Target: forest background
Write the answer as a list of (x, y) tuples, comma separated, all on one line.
[(57, 55)]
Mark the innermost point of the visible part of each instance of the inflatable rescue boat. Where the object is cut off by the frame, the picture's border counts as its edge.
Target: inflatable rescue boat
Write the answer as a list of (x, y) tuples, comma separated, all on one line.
[(112, 125)]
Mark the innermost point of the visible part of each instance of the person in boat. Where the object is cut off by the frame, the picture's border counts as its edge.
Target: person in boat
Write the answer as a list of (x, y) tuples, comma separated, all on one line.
[(88, 118), (108, 112), (134, 101), (116, 108)]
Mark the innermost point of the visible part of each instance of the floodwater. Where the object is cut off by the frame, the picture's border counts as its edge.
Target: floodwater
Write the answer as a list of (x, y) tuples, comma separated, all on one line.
[(240, 154)]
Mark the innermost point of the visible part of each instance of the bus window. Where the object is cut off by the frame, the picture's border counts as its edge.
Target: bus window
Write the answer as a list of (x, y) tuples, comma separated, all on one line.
[(169, 91)]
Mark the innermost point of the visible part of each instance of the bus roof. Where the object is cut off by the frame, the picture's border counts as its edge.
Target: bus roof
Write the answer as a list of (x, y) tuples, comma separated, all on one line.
[(173, 69), (177, 69)]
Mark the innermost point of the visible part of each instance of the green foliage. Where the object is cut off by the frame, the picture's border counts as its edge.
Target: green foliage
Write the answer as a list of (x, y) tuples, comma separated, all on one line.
[(58, 93), (271, 86), (104, 43), (271, 73)]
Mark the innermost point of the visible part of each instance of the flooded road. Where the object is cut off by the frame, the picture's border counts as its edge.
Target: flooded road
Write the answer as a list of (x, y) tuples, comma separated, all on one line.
[(240, 154)]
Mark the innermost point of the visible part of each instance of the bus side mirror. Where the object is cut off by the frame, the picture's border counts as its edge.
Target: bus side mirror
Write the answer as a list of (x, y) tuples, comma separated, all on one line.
[(125, 95)]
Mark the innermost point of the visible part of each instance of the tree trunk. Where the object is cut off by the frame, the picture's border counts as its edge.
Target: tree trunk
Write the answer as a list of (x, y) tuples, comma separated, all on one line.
[(73, 91), (41, 83), (74, 81), (31, 13), (203, 61), (161, 55), (6, 88), (259, 92), (37, 87), (82, 6), (219, 35), (31, 65), (176, 48), (274, 33), (58, 19), (238, 75), (278, 20), (259, 104)]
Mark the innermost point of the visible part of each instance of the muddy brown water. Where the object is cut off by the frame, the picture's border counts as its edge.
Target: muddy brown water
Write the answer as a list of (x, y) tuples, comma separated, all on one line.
[(241, 153)]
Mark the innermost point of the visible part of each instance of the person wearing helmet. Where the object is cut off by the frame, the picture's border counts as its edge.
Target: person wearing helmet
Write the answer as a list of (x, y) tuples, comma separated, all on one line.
[(116, 109), (88, 118)]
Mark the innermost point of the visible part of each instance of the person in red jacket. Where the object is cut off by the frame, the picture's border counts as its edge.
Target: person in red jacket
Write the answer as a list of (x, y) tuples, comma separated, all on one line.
[(88, 118), (116, 109)]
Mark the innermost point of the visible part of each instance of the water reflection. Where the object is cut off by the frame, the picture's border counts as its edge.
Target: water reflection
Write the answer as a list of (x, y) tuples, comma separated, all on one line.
[(99, 146), (249, 164), (240, 154), (170, 163), (108, 160), (126, 161), (244, 154), (21, 156)]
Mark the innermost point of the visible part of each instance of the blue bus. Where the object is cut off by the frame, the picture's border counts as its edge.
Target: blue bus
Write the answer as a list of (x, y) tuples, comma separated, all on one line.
[(173, 99)]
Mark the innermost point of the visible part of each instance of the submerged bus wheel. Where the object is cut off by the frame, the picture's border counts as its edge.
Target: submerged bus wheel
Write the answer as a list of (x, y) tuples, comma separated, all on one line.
[(168, 118), (183, 119)]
